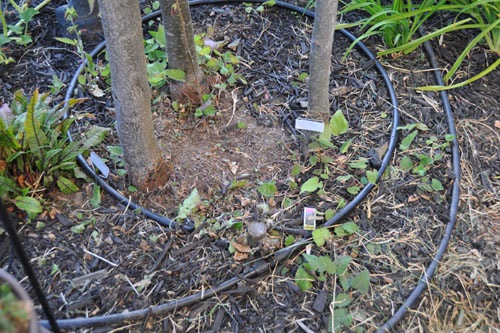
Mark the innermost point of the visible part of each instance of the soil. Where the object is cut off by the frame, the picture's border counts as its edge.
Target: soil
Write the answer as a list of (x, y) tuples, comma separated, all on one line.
[(134, 263)]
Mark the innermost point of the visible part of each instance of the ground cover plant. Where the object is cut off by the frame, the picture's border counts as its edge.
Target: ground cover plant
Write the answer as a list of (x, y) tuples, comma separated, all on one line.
[(392, 235)]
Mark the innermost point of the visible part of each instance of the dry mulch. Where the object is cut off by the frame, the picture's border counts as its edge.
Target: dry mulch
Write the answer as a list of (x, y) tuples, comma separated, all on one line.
[(400, 224)]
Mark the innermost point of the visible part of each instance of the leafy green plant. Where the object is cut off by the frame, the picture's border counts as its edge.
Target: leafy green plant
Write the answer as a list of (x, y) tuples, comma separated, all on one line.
[(320, 268), (17, 33), (249, 7), (267, 189), (14, 314), (35, 152)]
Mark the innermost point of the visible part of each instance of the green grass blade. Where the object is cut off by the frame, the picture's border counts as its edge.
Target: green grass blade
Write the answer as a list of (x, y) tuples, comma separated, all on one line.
[(488, 70), (469, 47), (413, 44)]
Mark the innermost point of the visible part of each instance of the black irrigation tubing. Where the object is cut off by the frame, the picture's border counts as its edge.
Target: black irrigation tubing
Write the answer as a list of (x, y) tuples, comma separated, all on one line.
[(260, 266), (443, 244), (263, 265)]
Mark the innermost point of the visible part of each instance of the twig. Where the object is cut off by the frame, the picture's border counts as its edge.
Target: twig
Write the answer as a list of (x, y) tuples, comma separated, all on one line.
[(101, 258)]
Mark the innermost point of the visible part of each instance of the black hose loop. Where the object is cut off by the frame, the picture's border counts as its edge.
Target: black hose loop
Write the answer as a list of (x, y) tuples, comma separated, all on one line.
[(260, 266)]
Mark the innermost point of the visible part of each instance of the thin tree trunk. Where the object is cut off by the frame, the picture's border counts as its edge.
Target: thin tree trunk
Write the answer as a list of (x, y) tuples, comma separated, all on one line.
[(320, 62), (181, 51), (131, 93)]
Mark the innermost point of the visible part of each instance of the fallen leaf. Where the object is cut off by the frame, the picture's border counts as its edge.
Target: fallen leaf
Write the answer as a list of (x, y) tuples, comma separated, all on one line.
[(238, 256), (497, 123), (241, 248)]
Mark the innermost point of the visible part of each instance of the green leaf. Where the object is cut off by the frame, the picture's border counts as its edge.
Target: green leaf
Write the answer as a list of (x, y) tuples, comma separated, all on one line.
[(344, 178), (338, 123), (345, 146), (353, 190), (325, 264), (303, 279), (350, 227), (189, 205), (35, 137), (94, 136), (175, 74), (312, 262), (320, 236), (361, 281), (67, 41), (115, 150), (342, 300), (79, 228), (297, 169), (359, 164), (406, 163), (341, 263), (160, 36), (267, 189), (289, 240), (95, 201), (29, 205), (311, 185), (7, 185), (341, 318), (27, 14), (436, 185), (329, 214), (320, 264), (66, 185), (406, 142), (371, 175)]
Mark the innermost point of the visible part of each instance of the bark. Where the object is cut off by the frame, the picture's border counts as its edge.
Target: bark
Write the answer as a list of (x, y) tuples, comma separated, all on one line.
[(320, 63), (181, 52), (122, 25)]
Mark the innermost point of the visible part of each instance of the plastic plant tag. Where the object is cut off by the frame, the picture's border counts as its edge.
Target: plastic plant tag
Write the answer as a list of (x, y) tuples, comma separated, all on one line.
[(309, 125), (309, 218), (99, 164)]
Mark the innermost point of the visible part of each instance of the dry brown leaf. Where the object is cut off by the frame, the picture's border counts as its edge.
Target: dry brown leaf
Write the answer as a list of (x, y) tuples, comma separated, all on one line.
[(241, 247), (238, 256)]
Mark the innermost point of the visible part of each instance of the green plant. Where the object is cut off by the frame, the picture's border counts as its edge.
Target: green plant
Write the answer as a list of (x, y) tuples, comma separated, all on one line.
[(321, 268), (249, 8), (398, 24), (486, 17), (92, 70), (14, 313), (35, 152), (17, 33)]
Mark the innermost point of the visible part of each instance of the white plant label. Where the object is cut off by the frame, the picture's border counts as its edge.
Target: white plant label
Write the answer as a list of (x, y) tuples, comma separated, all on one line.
[(99, 164), (309, 125)]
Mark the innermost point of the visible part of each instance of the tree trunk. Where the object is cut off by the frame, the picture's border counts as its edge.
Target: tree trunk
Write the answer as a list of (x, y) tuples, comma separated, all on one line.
[(320, 63), (131, 93), (181, 51)]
